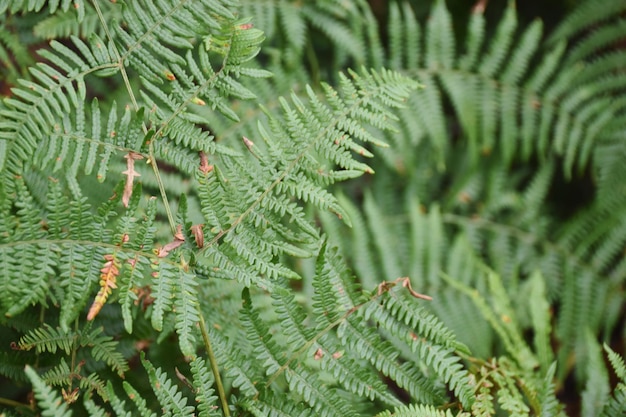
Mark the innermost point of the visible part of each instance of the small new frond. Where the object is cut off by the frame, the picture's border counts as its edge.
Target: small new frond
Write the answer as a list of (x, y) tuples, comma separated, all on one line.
[(546, 396), (617, 362)]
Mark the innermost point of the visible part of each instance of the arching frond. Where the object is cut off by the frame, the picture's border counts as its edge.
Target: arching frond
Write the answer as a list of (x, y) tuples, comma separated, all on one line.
[(457, 279), (505, 103)]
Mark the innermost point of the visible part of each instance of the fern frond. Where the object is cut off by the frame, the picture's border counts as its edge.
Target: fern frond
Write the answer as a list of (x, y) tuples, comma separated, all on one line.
[(170, 398), (48, 339), (617, 402), (336, 292), (50, 403), (37, 5), (439, 38), (502, 318), (41, 106), (308, 139), (328, 23), (105, 348), (14, 56), (509, 397), (597, 388), (275, 406), (186, 311), (108, 278), (584, 16), (244, 374), (541, 320), (141, 235), (93, 409), (417, 333), (300, 380), (329, 353), (484, 406), (64, 23), (413, 410), (58, 375), (384, 357), (491, 85), (471, 175), (546, 396), (203, 384)]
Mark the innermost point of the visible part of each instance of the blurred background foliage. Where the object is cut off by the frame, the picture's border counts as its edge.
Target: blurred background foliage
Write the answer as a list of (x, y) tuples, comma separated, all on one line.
[(502, 194)]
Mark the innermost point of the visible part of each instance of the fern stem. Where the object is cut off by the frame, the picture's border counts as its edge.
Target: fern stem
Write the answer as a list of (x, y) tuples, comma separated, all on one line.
[(214, 368), (157, 175), (16, 404), (120, 64), (151, 159)]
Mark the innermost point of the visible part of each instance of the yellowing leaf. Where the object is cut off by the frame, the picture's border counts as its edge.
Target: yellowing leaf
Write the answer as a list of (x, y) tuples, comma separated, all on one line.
[(108, 276)]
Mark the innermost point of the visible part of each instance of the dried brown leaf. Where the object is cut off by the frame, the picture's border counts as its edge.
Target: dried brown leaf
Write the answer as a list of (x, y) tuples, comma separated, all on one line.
[(205, 167), (165, 250), (319, 354), (196, 230), (130, 173)]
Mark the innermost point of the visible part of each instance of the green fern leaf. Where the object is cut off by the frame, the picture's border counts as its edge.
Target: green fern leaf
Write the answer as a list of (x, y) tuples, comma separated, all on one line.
[(384, 356), (203, 383), (597, 388), (440, 39), (104, 348), (540, 313), (37, 5), (140, 403), (275, 406), (419, 411), (617, 403), (50, 403), (48, 339), (64, 23), (170, 398)]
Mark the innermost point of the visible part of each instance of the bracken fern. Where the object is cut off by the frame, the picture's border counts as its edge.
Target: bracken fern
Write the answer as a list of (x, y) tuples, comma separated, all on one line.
[(177, 238)]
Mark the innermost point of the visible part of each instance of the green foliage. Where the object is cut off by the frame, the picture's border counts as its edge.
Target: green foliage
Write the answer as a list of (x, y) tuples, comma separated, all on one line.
[(178, 235)]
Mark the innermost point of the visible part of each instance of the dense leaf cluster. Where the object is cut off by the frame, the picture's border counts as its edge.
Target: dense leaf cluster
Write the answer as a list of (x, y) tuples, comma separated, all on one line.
[(178, 235)]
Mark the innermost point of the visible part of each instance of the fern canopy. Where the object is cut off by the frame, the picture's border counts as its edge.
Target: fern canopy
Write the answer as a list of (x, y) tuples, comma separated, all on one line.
[(190, 224)]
